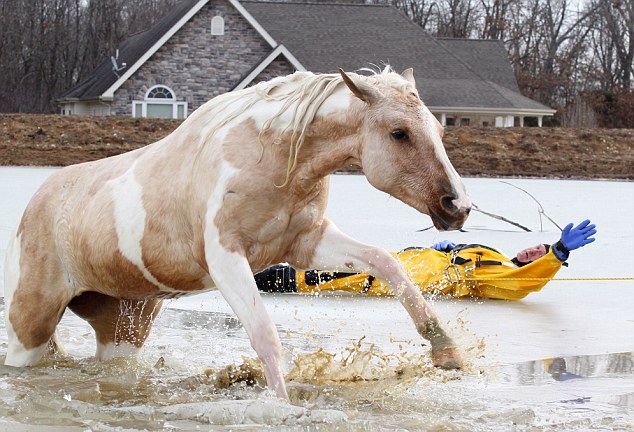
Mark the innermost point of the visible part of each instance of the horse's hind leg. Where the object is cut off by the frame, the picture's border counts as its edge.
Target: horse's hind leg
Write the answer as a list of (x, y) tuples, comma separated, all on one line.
[(121, 325), (36, 295)]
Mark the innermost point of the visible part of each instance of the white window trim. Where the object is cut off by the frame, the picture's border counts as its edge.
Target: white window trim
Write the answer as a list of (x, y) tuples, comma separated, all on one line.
[(172, 102), (159, 101), (147, 93), (217, 26)]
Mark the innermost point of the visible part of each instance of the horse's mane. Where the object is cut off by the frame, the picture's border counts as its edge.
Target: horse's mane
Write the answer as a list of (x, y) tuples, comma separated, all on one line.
[(302, 94)]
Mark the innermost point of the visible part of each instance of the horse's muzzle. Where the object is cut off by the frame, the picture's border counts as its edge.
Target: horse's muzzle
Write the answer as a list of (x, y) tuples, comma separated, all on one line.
[(452, 213)]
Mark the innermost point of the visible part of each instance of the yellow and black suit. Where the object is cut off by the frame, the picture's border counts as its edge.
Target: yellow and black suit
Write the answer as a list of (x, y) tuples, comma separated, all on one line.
[(432, 271)]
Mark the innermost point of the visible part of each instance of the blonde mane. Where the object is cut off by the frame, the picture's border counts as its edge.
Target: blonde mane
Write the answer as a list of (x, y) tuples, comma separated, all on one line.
[(303, 93)]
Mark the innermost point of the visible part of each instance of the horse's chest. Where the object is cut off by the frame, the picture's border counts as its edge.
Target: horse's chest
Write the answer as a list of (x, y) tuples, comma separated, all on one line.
[(276, 235)]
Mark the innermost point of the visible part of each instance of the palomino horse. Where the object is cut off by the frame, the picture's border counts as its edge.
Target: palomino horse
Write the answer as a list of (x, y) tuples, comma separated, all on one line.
[(241, 184)]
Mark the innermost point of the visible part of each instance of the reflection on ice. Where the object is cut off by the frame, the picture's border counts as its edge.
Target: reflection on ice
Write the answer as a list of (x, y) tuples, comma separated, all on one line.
[(568, 368)]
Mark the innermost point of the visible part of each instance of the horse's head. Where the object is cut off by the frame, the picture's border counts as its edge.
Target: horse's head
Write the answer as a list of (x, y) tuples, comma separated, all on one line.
[(401, 150)]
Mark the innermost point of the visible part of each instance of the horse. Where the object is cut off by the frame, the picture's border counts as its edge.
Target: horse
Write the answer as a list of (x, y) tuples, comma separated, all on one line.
[(241, 184)]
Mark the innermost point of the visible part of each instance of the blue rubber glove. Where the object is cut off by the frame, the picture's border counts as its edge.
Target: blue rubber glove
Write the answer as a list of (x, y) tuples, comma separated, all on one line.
[(443, 246), (574, 237)]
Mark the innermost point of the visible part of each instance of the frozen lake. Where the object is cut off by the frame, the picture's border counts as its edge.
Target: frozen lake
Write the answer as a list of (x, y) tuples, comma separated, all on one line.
[(513, 348)]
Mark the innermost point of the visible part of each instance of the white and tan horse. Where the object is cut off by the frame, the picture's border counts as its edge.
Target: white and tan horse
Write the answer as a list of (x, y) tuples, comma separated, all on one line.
[(240, 185)]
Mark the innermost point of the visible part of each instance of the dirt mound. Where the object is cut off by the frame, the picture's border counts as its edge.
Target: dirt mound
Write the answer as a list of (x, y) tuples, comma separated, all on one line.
[(53, 140)]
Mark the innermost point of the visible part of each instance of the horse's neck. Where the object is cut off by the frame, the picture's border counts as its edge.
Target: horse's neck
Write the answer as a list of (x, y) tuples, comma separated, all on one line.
[(334, 141)]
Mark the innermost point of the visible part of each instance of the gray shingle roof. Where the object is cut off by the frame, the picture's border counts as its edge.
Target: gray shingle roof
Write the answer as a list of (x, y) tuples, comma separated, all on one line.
[(487, 57), (326, 36)]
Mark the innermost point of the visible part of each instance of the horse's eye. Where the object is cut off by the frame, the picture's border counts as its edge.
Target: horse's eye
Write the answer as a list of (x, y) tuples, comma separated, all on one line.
[(399, 135)]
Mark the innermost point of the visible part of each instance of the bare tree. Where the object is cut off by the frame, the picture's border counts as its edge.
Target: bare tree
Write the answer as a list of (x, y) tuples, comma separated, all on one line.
[(457, 18), (579, 113), (47, 46), (546, 40), (613, 43), (496, 16)]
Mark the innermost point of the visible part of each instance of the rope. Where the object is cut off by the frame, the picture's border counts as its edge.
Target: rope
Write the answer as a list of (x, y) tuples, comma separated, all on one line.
[(548, 279)]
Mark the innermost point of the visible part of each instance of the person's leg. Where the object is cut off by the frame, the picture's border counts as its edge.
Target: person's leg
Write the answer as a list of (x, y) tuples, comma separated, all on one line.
[(280, 278)]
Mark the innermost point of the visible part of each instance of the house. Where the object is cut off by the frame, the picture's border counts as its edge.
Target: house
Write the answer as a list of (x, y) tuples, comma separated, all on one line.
[(203, 48)]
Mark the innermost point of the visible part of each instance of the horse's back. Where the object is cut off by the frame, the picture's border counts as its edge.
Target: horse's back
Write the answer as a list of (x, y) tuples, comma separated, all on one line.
[(106, 227)]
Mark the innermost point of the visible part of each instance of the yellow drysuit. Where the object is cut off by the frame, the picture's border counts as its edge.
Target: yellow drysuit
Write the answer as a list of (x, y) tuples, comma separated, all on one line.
[(434, 271)]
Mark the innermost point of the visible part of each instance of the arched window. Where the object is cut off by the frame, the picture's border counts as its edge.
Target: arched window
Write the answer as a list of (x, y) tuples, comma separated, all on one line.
[(159, 92), (160, 102), (217, 26)]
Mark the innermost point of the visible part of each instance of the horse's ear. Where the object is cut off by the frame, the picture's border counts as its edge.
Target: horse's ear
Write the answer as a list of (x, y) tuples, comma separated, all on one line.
[(360, 89), (408, 74)]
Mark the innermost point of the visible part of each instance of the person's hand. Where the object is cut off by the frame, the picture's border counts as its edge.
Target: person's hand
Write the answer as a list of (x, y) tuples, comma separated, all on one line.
[(443, 246), (581, 235), (574, 237)]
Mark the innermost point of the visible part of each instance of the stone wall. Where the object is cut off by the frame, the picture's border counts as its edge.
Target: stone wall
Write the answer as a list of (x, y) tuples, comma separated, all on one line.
[(196, 65), (278, 67)]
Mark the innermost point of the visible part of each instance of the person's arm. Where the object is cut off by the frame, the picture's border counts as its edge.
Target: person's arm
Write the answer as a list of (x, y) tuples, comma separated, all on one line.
[(515, 284), (574, 237)]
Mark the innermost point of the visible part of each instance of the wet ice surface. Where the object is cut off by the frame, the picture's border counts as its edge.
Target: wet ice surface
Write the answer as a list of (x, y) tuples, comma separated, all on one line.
[(558, 360)]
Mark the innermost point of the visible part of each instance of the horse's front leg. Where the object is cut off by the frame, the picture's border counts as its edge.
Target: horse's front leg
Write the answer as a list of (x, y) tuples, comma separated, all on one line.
[(234, 279), (338, 252)]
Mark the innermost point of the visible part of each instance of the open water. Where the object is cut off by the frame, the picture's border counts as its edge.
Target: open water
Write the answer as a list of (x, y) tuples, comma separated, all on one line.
[(182, 382)]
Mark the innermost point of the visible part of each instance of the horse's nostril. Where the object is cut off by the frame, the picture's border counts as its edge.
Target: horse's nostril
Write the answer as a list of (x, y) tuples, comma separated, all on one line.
[(447, 203)]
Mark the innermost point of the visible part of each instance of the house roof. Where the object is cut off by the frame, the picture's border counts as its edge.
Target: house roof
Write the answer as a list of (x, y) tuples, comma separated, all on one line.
[(488, 57), (326, 36), (322, 37), (130, 51)]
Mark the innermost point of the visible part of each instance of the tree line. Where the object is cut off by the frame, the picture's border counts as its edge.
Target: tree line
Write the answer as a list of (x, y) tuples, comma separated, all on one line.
[(48, 46), (574, 55)]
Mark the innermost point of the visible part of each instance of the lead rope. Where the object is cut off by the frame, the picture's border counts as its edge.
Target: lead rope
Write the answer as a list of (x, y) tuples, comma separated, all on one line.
[(549, 279)]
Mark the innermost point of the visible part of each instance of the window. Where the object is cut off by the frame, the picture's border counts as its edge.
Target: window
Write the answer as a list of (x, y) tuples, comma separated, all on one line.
[(160, 92), (217, 26), (159, 102)]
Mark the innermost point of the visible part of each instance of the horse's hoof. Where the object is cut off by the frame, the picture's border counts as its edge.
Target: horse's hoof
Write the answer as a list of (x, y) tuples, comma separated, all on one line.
[(448, 358)]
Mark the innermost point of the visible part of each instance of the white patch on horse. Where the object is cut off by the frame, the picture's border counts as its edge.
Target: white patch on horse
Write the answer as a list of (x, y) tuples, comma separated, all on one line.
[(111, 351), (270, 101), (338, 102), (214, 204), (129, 214), (11, 271), (439, 149), (17, 354)]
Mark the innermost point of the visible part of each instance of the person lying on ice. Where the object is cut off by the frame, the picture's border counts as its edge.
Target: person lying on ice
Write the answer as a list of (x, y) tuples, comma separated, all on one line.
[(443, 268)]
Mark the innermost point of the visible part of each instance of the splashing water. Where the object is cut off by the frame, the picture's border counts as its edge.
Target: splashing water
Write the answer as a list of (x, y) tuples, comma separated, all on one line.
[(188, 376)]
